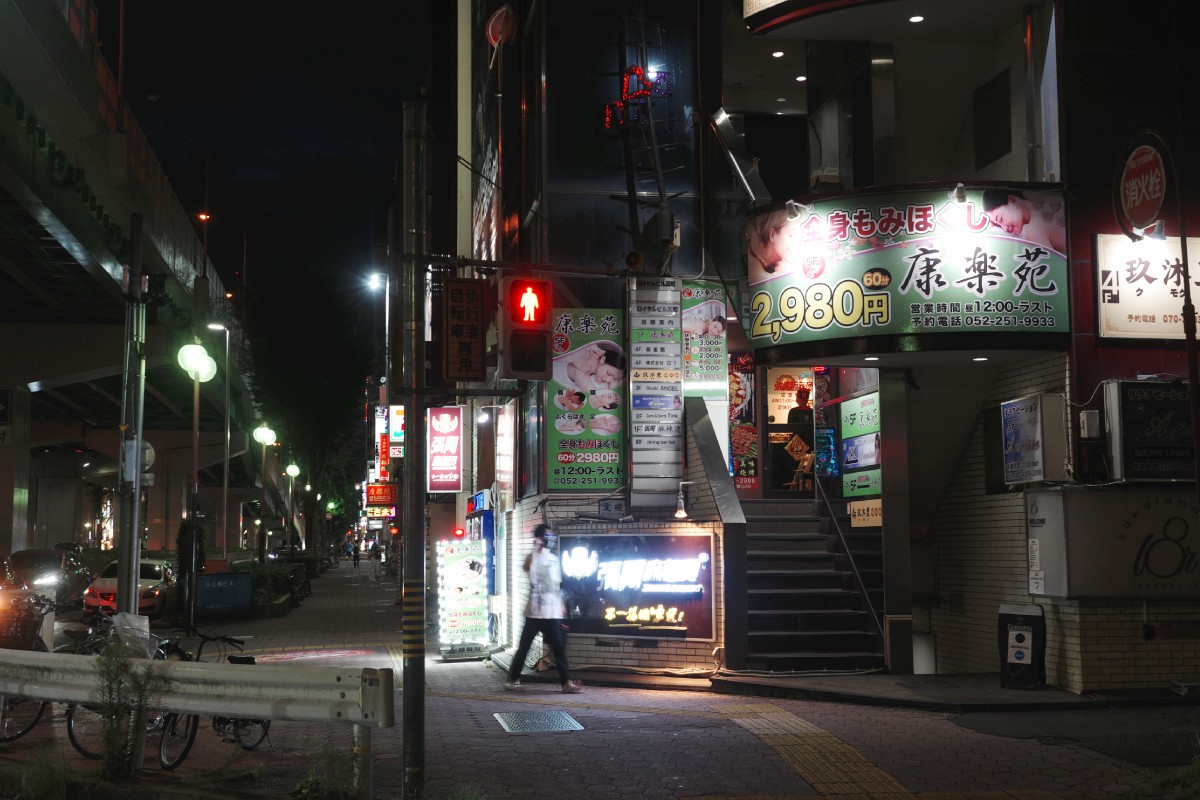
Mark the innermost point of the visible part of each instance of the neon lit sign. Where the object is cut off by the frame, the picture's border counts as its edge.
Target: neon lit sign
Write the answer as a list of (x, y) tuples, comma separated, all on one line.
[(654, 586), (636, 88)]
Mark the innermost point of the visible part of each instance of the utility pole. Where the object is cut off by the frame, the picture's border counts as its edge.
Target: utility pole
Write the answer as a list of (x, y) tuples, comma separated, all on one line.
[(129, 550), (410, 350)]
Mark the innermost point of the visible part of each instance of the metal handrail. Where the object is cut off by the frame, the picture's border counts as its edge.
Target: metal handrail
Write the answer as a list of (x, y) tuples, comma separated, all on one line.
[(824, 500)]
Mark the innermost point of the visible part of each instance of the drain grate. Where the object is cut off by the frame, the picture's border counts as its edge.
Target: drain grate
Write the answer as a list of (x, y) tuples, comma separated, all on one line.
[(537, 721)]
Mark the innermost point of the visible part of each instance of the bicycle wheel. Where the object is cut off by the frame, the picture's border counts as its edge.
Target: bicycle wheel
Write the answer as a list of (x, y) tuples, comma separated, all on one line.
[(178, 736), (251, 732), (85, 725), (18, 715)]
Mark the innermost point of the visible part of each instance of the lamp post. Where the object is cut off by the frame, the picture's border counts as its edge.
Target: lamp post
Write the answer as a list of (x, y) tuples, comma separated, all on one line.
[(264, 436), (292, 472), (216, 326), (198, 364)]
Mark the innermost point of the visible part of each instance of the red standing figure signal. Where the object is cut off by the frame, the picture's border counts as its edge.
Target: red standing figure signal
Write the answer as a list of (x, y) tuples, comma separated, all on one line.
[(525, 328)]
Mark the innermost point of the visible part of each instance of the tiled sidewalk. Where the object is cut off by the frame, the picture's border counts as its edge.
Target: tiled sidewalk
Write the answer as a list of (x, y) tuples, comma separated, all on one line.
[(652, 744)]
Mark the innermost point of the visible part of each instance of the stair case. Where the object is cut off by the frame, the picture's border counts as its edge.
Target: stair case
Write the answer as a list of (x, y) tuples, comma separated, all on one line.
[(806, 608)]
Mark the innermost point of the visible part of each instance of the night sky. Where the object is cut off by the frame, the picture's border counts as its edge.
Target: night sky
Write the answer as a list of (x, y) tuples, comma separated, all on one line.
[(289, 118), (291, 114)]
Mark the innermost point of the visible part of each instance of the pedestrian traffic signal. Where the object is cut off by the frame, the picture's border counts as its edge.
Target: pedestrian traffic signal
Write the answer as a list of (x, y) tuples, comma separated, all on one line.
[(526, 318)]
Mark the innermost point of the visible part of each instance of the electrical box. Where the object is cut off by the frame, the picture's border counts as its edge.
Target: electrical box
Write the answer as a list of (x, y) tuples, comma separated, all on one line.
[(1089, 424)]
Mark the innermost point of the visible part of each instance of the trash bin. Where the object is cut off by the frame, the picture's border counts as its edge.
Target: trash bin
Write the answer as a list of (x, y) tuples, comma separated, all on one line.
[(1021, 636)]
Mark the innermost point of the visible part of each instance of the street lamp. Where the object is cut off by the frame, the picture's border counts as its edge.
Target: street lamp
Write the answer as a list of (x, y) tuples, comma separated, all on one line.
[(199, 365), (216, 326), (292, 471), (264, 436)]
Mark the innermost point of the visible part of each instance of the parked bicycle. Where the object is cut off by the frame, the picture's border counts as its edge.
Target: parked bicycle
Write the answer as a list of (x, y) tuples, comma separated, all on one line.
[(21, 629), (179, 730), (85, 723)]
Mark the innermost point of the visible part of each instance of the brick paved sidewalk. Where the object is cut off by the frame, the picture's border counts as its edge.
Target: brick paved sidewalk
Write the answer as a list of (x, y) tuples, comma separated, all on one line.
[(645, 743)]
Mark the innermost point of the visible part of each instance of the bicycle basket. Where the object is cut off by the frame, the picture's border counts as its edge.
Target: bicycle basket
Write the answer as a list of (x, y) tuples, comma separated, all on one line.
[(133, 631)]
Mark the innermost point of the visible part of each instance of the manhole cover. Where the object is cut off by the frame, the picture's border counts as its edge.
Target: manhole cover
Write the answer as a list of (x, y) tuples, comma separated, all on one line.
[(537, 721)]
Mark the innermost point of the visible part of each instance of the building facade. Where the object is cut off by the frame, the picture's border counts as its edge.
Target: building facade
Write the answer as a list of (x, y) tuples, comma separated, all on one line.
[(918, 249)]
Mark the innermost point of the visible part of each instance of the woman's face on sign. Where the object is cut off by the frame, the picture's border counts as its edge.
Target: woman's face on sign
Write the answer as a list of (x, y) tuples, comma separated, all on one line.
[(1009, 217), (608, 375)]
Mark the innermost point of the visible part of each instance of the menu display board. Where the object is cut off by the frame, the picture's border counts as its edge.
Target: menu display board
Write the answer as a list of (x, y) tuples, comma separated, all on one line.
[(703, 329), (743, 423)]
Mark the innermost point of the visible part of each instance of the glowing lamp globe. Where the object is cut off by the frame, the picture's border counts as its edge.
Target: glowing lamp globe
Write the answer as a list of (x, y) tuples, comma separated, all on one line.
[(264, 435)]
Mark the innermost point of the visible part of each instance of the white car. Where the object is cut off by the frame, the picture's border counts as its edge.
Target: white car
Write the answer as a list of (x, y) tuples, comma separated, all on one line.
[(155, 579)]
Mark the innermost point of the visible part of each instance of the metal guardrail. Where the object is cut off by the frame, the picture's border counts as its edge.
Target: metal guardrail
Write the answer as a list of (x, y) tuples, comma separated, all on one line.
[(362, 697)]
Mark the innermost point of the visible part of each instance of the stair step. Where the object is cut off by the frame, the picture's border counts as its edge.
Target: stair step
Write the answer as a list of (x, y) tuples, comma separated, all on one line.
[(766, 643), (789, 579), (810, 562), (806, 662), (805, 608), (809, 619)]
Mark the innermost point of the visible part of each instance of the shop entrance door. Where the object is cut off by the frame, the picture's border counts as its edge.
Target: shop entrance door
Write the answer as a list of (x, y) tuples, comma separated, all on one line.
[(788, 436)]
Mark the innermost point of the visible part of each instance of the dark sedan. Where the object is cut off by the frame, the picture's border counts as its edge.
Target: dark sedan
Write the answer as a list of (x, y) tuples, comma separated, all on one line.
[(56, 574)]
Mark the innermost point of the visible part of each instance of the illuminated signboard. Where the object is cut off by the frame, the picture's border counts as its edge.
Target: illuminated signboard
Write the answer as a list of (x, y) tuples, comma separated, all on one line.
[(908, 262), (444, 466), (462, 596), (650, 587), (381, 512), (382, 494)]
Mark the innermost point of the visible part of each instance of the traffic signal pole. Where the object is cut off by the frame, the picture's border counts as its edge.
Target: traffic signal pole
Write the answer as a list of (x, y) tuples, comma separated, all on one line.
[(409, 278)]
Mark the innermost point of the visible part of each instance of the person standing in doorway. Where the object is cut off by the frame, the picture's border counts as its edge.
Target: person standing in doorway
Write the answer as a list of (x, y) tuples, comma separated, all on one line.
[(544, 611)]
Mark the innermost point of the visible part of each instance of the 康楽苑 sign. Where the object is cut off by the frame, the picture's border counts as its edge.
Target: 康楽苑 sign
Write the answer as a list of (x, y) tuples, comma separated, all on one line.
[(586, 402), (908, 262)]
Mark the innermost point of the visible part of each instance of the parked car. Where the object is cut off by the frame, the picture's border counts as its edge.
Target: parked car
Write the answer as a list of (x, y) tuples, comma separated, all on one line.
[(155, 579), (17, 620), (57, 574)]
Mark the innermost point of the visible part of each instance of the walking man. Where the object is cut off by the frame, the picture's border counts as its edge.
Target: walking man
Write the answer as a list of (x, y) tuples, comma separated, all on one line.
[(544, 612)]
